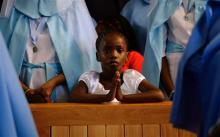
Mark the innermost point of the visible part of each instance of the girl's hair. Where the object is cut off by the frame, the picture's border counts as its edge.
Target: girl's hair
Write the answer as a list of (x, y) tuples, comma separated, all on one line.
[(101, 38), (121, 25)]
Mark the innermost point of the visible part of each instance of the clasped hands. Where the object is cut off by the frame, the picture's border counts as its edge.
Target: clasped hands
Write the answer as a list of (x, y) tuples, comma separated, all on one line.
[(44, 91), (115, 91)]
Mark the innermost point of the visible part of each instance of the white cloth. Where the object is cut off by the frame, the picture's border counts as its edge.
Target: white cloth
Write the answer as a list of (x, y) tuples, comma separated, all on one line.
[(179, 31), (6, 7), (45, 54), (131, 78)]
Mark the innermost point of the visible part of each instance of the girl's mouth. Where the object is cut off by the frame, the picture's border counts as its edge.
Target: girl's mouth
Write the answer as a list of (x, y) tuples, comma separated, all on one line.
[(114, 63)]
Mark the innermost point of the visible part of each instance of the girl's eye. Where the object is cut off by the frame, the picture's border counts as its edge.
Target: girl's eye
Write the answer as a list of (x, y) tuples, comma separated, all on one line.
[(120, 50)]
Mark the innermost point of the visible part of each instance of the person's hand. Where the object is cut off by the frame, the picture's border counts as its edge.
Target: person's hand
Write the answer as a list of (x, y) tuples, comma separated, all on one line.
[(35, 96), (118, 95), (116, 83), (46, 91)]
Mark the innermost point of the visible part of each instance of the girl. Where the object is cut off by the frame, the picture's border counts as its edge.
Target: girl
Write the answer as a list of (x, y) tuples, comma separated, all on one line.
[(135, 59), (111, 84)]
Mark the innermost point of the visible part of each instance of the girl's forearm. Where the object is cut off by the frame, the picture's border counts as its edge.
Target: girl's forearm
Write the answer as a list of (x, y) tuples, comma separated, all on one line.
[(151, 96), (89, 98)]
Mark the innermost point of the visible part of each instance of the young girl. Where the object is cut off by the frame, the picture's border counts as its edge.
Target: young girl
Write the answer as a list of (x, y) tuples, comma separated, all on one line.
[(119, 23), (111, 84)]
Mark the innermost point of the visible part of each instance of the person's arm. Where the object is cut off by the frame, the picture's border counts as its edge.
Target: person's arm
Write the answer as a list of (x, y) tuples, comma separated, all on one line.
[(46, 89), (24, 87), (149, 93), (166, 77), (80, 93)]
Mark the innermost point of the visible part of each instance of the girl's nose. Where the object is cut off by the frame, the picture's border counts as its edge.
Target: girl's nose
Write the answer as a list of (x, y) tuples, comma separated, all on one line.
[(114, 53)]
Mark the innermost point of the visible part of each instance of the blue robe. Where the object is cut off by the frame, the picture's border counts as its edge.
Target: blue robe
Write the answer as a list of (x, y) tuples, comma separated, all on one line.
[(74, 40), (196, 105), (15, 117), (155, 39), (137, 13)]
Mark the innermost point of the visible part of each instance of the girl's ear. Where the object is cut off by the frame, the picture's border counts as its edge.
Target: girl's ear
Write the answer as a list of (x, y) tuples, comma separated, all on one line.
[(97, 57)]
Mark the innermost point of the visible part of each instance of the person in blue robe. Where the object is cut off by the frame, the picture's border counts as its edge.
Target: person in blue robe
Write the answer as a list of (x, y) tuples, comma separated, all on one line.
[(163, 29), (15, 117), (196, 105), (50, 42)]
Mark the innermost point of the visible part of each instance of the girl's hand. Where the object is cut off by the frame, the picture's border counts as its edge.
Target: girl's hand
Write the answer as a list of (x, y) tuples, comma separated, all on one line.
[(115, 83), (119, 94)]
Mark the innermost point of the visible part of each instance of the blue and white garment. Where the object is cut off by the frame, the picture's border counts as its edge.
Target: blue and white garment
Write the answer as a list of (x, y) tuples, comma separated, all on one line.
[(67, 30), (6, 7), (15, 117), (131, 78), (157, 41), (196, 105), (179, 30)]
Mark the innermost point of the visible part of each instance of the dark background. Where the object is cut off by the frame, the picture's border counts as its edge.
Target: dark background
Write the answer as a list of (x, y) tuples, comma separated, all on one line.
[(105, 9)]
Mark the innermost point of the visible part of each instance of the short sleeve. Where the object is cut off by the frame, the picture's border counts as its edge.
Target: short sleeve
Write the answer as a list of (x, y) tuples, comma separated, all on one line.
[(91, 79), (132, 79)]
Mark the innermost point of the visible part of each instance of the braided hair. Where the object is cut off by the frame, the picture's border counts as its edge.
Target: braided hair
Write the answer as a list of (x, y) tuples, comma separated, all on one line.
[(101, 37), (119, 24)]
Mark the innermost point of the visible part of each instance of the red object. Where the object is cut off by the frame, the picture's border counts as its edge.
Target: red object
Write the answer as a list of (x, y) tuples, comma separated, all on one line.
[(135, 61)]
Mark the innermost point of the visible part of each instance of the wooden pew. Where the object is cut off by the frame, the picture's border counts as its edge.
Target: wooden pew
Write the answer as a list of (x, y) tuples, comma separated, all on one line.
[(105, 120)]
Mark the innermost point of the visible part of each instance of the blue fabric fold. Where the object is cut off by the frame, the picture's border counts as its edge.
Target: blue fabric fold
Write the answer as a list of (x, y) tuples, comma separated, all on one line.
[(72, 36), (196, 105), (156, 37), (15, 117), (174, 47)]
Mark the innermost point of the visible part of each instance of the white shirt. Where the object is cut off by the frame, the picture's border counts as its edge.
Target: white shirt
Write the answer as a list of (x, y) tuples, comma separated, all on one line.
[(131, 78)]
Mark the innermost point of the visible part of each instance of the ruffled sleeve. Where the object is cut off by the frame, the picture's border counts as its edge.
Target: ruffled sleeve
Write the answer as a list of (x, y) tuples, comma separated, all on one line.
[(91, 79), (132, 79)]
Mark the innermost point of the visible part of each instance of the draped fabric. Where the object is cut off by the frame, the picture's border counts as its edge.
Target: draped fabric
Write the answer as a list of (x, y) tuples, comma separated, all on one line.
[(156, 40), (5, 7), (137, 13), (70, 27), (196, 104), (15, 117)]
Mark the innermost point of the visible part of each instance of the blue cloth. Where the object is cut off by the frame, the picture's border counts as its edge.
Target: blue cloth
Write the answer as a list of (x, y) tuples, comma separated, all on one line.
[(174, 47), (71, 29), (137, 12), (196, 105), (156, 37), (15, 117)]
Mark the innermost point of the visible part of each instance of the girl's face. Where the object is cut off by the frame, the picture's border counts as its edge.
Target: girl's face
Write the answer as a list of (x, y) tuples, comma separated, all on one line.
[(112, 53)]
